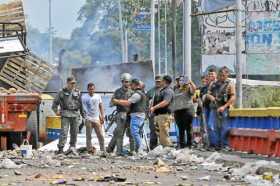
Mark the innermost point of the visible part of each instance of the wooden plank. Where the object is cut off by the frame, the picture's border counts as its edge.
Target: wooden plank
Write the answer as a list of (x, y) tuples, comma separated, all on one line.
[(27, 72), (12, 12), (17, 70), (15, 66), (14, 79), (30, 72), (9, 82), (12, 71), (17, 61), (13, 75)]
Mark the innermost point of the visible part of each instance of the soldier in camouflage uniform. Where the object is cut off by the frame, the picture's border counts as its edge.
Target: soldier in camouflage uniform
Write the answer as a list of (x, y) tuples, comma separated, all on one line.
[(69, 101), (122, 118)]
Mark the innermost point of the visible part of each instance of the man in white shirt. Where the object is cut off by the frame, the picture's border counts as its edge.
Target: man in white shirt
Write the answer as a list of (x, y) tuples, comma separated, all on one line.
[(94, 110)]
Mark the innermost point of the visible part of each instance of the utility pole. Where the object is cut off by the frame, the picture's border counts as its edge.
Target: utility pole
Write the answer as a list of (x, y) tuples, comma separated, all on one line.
[(159, 44), (184, 35), (187, 38), (174, 38), (121, 31), (50, 33), (126, 45), (165, 37), (239, 64), (152, 47)]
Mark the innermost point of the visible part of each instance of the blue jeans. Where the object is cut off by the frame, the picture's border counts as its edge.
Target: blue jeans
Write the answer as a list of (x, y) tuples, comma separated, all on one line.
[(218, 128), (135, 124)]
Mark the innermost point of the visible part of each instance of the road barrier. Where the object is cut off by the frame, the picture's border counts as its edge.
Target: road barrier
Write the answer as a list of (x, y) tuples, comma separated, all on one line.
[(258, 141)]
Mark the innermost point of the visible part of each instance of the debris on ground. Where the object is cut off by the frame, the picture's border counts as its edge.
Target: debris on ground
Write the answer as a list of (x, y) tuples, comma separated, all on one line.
[(257, 180), (36, 176), (9, 164), (17, 173), (111, 178), (252, 167), (159, 163), (185, 156), (161, 167), (79, 179), (185, 165), (58, 182), (184, 178), (205, 178)]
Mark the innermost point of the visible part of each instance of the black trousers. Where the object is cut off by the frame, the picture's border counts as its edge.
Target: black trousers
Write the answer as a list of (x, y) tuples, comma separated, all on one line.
[(183, 120), (153, 135)]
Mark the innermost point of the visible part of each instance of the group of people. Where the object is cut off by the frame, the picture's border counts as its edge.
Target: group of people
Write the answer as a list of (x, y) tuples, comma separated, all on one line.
[(133, 105), (217, 95)]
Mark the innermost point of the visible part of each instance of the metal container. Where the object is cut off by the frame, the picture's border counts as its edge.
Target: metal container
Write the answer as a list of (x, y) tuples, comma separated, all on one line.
[(53, 124), (44, 111)]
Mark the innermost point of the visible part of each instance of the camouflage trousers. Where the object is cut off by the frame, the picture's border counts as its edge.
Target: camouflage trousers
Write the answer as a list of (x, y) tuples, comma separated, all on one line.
[(122, 122), (162, 124), (66, 123)]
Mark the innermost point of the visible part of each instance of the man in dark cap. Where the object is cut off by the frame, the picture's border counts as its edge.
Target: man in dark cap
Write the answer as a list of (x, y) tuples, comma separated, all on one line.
[(70, 104), (150, 98), (161, 110)]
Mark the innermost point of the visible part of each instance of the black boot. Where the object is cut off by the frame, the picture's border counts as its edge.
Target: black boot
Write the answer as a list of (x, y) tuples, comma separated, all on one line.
[(60, 151)]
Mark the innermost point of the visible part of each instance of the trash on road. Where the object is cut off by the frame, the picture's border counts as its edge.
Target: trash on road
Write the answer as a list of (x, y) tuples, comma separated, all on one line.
[(205, 178), (111, 178), (9, 164), (58, 182), (17, 173)]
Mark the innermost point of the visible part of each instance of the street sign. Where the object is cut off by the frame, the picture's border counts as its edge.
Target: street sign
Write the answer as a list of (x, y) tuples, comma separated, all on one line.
[(142, 27), (142, 21)]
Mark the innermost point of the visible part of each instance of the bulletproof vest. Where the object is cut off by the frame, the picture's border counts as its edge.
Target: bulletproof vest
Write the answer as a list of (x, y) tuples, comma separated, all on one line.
[(203, 91), (159, 98), (182, 100), (70, 100), (219, 91), (123, 94), (141, 105)]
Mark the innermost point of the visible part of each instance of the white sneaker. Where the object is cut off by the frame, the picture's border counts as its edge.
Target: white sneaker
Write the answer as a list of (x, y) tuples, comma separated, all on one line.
[(141, 153)]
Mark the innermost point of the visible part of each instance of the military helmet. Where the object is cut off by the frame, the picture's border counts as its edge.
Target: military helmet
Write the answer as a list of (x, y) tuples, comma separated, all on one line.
[(126, 77)]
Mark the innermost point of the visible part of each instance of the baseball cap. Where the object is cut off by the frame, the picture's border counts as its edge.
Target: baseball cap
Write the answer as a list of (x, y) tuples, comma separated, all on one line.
[(135, 81), (168, 79), (158, 78), (71, 80)]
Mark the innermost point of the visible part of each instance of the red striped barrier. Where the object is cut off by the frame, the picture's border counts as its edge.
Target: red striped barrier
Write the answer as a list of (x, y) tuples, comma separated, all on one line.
[(258, 141)]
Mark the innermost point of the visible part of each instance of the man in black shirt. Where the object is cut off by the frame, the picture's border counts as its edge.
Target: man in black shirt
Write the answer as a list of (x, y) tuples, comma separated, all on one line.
[(150, 98), (161, 110)]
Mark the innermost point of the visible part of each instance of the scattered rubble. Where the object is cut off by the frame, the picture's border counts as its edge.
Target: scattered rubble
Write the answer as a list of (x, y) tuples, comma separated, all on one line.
[(9, 164), (111, 178), (252, 167), (187, 166), (58, 182), (17, 173), (205, 178)]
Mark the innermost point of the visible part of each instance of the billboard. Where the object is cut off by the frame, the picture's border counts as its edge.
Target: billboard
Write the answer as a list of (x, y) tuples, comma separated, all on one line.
[(213, 5), (261, 38)]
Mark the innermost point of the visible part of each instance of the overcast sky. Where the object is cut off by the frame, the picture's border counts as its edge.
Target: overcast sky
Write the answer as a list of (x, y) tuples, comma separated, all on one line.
[(65, 13)]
